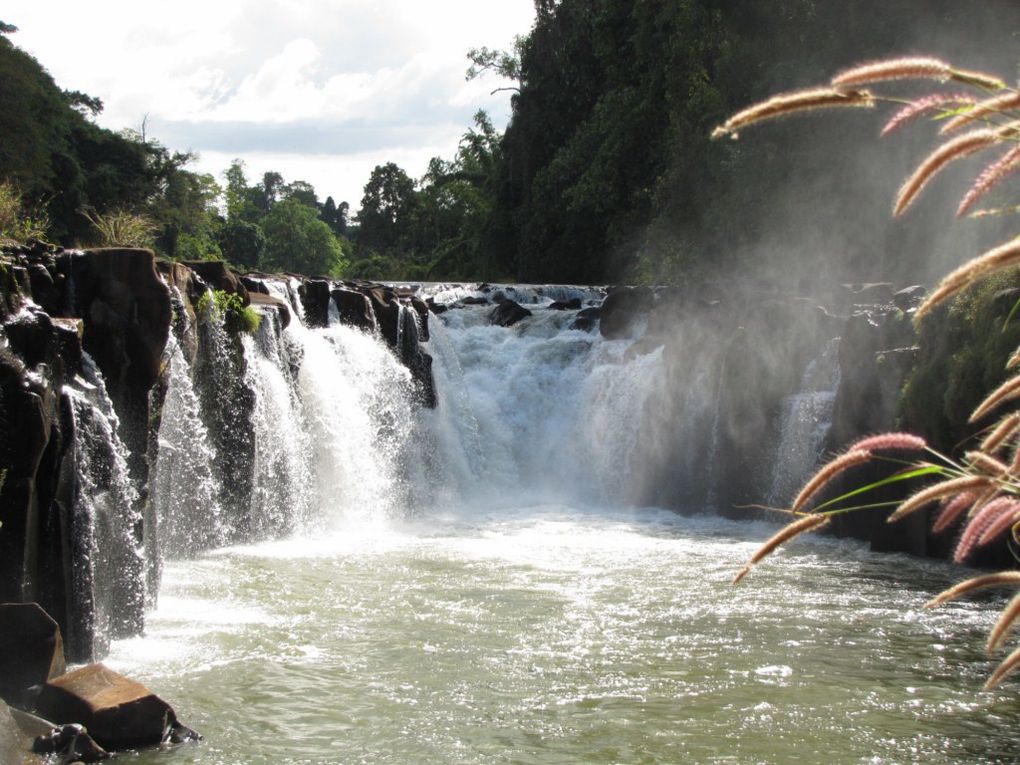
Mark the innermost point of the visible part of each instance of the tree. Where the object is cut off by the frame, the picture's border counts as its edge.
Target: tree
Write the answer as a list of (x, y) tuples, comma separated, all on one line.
[(300, 191), (297, 241), (506, 64), (386, 209), (242, 244), (272, 186)]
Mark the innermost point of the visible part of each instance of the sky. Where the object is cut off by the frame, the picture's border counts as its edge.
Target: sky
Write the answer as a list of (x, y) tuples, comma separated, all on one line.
[(318, 90)]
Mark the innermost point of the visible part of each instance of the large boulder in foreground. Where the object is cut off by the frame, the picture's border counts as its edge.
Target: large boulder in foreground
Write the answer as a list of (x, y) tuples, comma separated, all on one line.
[(118, 713), (31, 649)]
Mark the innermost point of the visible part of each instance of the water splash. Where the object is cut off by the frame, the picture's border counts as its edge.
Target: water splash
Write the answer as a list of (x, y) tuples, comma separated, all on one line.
[(107, 562), (184, 492), (807, 415)]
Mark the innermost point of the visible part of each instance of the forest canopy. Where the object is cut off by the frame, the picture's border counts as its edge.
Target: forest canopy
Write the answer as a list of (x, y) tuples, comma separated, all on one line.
[(605, 172)]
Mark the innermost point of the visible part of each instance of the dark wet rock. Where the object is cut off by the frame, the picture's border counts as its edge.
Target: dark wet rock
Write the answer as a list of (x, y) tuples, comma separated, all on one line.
[(355, 308), (254, 285), (45, 292), (118, 713), (473, 300), (272, 303), (586, 319), (566, 305), (71, 743), (416, 360), (218, 276), (436, 308), (909, 297), (127, 312), (386, 308), (31, 650), (507, 313), (315, 294), (421, 308), (622, 309)]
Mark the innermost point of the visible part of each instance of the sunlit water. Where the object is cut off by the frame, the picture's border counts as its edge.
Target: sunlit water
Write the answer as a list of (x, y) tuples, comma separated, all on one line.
[(557, 635), (516, 617)]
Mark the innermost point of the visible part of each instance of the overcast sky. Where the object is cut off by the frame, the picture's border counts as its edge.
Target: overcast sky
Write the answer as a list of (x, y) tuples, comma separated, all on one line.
[(318, 90)]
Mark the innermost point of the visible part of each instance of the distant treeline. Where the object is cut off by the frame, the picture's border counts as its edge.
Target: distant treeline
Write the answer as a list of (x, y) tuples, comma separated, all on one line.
[(605, 173)]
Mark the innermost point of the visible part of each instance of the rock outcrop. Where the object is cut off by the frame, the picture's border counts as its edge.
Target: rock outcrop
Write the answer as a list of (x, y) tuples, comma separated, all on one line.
[(31, 651), (118, 713)]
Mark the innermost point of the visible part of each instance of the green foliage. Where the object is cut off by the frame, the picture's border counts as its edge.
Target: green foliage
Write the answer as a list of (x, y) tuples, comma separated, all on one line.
[(121, 228), (298, 241), (15, 222), (218, 305), (387, 209), (964, 349), (242, 244)]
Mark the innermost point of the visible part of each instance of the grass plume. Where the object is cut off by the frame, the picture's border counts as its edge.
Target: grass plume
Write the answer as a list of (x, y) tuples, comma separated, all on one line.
[(794, 101)]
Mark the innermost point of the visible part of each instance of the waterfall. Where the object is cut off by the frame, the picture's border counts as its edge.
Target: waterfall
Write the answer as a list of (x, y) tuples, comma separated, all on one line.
[(107, 564), (806, 417), (537, 412), (280, 489), (184, 489)]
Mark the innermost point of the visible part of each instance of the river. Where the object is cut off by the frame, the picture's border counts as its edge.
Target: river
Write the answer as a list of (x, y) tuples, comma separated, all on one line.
[(499, 602)]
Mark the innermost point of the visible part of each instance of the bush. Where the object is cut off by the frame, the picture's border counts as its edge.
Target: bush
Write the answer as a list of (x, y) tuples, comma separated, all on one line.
[(17, 223), (121, 228), (218, 305)]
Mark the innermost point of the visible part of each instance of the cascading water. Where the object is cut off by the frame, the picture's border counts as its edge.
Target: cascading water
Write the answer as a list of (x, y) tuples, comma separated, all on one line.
[(467, 584), (107, 564), (806, 417), (184, 489)]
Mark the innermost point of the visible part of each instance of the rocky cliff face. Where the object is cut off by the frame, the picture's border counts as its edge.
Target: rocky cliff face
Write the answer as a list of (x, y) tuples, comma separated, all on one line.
[(84, 338)]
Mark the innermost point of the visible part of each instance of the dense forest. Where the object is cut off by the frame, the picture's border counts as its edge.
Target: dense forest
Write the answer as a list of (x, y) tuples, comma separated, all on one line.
[(606, 171)]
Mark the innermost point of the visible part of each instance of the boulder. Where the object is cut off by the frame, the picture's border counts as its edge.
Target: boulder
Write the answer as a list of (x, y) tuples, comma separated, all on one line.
[(565, 305), (386, 308), (507, 313), (586, 318), (273, 303), (31, 650), (909, 297), (118, 713), (622, 309), (219, 276), (421, 308), (355, 309), (436, 308), (254, 285), (315, 295), (71, 743)]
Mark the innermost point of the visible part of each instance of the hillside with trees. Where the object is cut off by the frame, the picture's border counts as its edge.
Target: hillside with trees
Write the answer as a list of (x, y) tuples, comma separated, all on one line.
[(605, 173)]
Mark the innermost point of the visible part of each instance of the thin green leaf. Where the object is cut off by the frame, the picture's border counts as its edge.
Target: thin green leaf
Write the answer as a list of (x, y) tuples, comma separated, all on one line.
[(947, 113), (904, 476), (1012, 313)]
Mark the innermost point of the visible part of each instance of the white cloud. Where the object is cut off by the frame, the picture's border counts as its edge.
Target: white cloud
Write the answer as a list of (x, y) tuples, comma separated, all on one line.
[(321, 67)]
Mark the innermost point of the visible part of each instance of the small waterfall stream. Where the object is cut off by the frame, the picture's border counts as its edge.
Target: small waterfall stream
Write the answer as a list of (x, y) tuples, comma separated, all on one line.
[(109, 562), (806, 417)]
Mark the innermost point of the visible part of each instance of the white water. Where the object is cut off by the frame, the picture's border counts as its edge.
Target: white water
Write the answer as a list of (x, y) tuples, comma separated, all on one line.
[(467, 585), (807, 415), (107, 568), (183, 489)]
